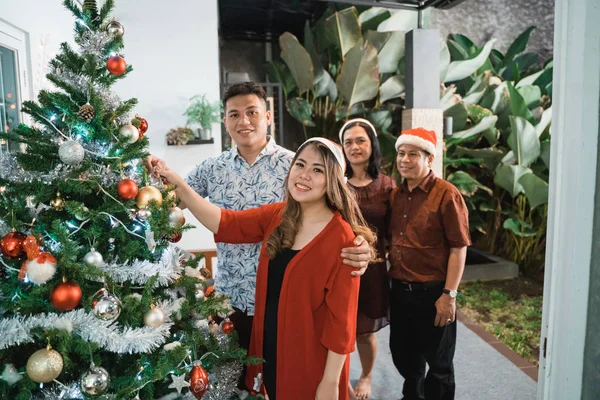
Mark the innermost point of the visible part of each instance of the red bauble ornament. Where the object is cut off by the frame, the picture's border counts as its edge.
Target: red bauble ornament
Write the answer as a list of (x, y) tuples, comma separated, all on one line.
[(209, 291), (142, 125), (175, 238), (227, 326), (127, 189), (198, 381), (65, 296), (12, 244), (116, 65)]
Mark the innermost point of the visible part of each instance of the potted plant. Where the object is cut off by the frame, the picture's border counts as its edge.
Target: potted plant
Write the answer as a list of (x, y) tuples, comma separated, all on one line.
[(204, 113)]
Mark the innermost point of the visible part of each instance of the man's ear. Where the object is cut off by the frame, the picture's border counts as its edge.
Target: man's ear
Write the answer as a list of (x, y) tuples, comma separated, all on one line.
[(269, 117)]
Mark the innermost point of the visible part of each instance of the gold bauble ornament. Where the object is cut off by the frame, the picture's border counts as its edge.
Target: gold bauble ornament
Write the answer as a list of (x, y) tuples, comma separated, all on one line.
[(44, 365), (58, 203), (146, 194), (176, 217)]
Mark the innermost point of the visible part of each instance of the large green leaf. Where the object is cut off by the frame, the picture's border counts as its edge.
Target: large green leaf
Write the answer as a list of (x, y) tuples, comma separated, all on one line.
[(324, 85), (523, 141), (458, 70), (518, 46), (459, 115), (359, 78), (462, 40), (519, 228), (489, 157), (476, 92), (371, 18), (536, 189), (381, 118), (531, 95), (544, 122), (507, 177), (457, 52), (517, 104), (377, 39), (497, 100), (279, 72), (391, 88), (466, 184), (392, 52), (298, 61), (529, 80), (448, 98), (401, 20), (343, 29), (483, 125), (344, 113), (545, 80), (386, 144), (301, 109), (545, 152)]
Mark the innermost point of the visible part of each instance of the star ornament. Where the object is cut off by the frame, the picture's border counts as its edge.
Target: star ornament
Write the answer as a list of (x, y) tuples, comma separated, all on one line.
[(10, 374), (179, 383)]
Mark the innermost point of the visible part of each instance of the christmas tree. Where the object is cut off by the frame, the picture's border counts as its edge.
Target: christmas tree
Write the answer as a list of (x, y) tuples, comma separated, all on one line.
[(95, 299)]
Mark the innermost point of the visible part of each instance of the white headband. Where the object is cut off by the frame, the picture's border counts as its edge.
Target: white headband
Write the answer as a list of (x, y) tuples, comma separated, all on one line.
[(352, 121), (335, 149)]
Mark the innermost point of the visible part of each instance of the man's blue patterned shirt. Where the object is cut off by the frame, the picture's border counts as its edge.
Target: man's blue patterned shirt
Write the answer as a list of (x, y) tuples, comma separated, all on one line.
[(230, 183)]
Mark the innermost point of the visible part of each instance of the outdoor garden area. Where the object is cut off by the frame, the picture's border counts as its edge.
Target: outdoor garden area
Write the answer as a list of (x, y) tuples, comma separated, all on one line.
[(351, 63)]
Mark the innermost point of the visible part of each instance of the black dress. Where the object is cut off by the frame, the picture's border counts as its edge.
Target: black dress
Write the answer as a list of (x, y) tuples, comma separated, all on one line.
[(277, 268)]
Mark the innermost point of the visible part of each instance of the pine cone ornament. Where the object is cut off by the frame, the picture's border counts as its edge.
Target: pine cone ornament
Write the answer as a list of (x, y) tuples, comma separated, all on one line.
[(90, 5), (86, 113)]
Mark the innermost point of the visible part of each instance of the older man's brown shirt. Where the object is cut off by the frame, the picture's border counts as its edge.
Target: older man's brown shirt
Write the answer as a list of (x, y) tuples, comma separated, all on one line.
[(425, 224)]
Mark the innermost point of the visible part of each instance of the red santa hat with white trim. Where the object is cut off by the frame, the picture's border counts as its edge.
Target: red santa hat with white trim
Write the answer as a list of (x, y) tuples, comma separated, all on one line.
[(419, 137)]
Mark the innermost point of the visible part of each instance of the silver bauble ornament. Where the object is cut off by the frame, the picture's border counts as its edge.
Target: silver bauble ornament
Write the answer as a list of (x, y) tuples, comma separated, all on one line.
[(154, 318), (199, 294), (93, 258), (71, 152), (95, 381), (115, 29), (130, 132), (82, 213), (176, 217), (44, 365), (106, 306), (144, 214)]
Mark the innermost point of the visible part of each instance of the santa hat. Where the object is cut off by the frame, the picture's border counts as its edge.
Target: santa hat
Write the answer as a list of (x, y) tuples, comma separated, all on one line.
[(419, 137), (335, 149), (353, 121)]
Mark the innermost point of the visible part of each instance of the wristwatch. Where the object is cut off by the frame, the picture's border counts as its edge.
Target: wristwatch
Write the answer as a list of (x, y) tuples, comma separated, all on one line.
[(450, 292)]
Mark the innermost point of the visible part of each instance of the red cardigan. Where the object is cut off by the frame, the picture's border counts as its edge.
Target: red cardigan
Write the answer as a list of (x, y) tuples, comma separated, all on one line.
[(317, 305)]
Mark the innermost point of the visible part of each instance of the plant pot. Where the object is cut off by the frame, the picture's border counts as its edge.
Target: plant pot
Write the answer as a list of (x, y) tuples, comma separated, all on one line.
[(204, 134)]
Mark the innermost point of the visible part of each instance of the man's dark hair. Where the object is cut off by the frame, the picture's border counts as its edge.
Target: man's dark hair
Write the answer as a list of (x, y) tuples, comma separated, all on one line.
[(242, 89), (375, 160)]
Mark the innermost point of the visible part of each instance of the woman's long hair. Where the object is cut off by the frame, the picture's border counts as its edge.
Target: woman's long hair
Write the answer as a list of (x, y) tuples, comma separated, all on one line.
[(374, 166), (338, 198)]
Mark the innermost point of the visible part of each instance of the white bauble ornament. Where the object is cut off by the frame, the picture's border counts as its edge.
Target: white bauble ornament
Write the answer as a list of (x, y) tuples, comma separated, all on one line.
[(44, 365), (93, 258), (71, 152), (41, 269), (176, 217), (154, 318), (144, 214), (130, 132), (95, 381), (115, 29), (10, 374)]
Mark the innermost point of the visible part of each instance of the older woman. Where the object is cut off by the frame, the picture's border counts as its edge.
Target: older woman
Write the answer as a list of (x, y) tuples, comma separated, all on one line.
[(361, 148)]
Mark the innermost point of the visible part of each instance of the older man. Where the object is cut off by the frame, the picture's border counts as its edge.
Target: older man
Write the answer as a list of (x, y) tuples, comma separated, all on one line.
[(429, 233)]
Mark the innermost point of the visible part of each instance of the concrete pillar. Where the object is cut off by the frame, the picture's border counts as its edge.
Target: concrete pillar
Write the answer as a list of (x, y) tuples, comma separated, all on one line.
[(423, 87)]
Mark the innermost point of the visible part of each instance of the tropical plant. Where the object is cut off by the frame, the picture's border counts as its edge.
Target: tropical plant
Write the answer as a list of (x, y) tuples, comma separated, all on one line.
[(351, 65), (498, 155)]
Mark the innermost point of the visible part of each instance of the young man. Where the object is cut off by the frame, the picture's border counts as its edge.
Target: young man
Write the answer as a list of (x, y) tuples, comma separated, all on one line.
[(249, 175), (429, 237)]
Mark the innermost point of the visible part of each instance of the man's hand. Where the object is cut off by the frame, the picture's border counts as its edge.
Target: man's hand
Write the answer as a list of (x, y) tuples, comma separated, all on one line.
[(446, 310), (358, 257)]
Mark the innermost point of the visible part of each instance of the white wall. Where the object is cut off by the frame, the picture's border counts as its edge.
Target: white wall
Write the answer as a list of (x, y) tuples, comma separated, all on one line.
[(173, 48)]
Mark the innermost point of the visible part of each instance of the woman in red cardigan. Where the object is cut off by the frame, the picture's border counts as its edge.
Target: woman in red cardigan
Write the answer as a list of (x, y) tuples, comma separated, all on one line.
[(306, 298)]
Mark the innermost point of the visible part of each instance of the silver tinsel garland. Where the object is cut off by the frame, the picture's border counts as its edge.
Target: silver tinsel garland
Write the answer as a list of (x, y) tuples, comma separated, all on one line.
[(106, 334), (138, 272)]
